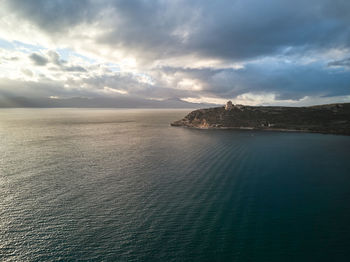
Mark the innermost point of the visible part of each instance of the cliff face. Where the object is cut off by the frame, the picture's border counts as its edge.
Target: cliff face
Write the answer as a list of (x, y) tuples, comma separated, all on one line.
[(334, 118)]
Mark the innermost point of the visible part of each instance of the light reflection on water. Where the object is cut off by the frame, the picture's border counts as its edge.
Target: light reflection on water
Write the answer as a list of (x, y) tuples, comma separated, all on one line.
[(122, 185)]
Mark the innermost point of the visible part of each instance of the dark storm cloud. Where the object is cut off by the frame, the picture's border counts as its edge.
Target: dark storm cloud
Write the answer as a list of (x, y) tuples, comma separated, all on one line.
[(55, 15), (228, 30), (223, 29), (38, 59), (248, 29)]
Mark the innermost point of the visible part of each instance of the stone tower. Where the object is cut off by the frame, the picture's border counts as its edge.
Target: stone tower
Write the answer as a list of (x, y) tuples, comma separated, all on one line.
[(229, 105)]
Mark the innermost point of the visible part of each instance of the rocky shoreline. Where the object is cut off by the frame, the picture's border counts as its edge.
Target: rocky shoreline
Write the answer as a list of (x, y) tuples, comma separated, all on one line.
[(327, 119)]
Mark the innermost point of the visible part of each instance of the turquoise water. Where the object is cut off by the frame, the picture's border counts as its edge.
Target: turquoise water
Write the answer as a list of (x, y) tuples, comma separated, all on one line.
[(122, 185)]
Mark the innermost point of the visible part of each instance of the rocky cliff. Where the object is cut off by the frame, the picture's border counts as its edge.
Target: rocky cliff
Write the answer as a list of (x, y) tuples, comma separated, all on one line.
[(333, 118)]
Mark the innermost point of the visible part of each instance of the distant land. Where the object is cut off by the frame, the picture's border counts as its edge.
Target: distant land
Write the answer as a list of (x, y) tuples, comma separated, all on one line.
[(97, 102), (328, 119)]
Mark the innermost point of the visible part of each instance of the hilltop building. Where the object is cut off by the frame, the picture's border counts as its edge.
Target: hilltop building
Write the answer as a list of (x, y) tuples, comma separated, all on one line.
[(229, 105)]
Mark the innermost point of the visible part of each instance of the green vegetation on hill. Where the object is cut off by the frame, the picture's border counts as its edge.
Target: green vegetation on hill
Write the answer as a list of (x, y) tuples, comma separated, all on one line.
[(333, 118)]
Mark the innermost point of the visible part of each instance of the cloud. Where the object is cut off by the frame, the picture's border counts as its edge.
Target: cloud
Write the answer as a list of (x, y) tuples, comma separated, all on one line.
[(288, 81), (277, 50), (343, 63), (54, 57), (54, 16), (227, 30), (55, 60), (38, 59), (27, 72), (74, 69)]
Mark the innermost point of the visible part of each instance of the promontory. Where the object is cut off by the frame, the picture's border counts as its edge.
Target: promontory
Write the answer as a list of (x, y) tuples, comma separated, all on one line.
[(330, 119)]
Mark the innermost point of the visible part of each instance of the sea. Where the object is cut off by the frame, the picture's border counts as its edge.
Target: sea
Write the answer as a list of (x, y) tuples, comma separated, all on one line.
[(123, 185)]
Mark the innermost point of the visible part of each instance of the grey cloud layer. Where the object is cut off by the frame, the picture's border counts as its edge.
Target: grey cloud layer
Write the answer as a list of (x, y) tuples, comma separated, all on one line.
[(243, 31), (56, 15), (226, 29), (343, 62), (300, 81)]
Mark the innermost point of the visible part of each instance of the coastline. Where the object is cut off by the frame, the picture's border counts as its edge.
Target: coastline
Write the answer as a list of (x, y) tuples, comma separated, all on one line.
[(323, 119), (282, 130)]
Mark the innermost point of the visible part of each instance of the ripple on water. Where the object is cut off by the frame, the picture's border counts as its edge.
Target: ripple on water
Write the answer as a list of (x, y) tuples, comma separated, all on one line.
[(123, 185)]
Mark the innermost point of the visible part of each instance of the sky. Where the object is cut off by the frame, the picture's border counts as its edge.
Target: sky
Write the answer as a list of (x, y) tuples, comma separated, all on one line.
[(271, 52)]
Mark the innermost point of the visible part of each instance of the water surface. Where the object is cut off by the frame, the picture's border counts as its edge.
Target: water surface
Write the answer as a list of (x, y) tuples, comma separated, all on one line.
[(122, 185)]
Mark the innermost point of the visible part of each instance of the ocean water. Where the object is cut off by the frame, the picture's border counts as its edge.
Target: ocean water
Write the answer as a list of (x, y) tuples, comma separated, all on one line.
[(122, 185)]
